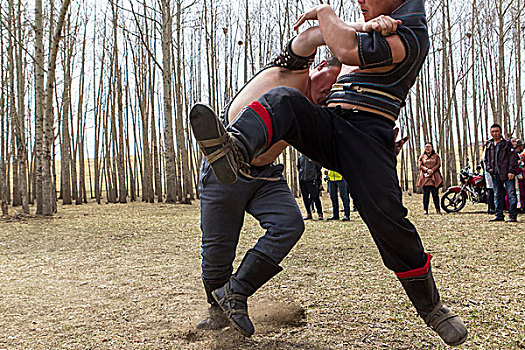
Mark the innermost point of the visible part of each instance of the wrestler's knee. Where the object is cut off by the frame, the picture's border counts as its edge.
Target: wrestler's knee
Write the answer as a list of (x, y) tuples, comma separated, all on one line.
[(383, 203), (393, 209), (293, 225)]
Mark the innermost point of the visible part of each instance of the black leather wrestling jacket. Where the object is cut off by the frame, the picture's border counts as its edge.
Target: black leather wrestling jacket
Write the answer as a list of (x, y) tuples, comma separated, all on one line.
[(387, 91)]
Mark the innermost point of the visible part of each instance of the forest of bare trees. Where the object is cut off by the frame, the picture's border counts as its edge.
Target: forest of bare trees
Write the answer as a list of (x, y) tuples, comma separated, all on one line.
[(95, 94)]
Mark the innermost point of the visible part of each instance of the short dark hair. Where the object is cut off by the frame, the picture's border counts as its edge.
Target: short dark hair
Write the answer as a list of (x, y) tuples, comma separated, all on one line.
[(333, 61), (496, 126)]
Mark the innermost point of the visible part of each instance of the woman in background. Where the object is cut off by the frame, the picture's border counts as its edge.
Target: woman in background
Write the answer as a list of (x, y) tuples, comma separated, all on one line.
[(429, 178)]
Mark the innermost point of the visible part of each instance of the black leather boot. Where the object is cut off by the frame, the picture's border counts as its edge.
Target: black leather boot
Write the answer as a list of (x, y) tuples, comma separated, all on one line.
[(424, 295), (255, 270), (227, 152), (216, 318), (249, 132)]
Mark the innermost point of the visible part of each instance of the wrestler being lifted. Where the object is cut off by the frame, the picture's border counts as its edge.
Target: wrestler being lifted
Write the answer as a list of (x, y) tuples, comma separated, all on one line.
[(260, 191), (353, 135)]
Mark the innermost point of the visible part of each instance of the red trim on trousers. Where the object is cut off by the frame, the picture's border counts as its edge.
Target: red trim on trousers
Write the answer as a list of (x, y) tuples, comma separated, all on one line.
[(265, 116), (417, 272)]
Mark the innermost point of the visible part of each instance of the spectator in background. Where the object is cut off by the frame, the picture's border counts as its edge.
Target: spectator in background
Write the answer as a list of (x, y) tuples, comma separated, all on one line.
[(337, 183), (320, 188), (520, 177), (514, 141), (502, 163), (309, 175), (429, 178), (490, 186)]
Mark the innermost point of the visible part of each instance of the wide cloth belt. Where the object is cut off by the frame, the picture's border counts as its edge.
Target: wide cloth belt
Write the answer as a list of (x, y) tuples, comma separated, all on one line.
[(338, 87)]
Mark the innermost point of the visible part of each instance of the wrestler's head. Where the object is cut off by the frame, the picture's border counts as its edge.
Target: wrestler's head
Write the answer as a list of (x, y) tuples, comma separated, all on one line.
[(322, 77), (374, 8)]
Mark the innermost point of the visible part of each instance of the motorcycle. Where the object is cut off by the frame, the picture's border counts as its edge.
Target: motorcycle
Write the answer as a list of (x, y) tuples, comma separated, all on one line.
[(472, 187)]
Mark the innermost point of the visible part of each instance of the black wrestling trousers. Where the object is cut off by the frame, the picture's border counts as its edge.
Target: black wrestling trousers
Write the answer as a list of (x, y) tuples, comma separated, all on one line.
[(358, 145)]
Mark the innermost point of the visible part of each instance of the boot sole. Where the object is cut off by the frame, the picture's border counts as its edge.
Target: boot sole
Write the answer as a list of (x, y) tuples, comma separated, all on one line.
[(205, 126), (232, 322)]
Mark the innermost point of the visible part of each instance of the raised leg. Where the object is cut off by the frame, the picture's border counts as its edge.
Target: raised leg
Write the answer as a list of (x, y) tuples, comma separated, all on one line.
[(281, 114), (369, 163)]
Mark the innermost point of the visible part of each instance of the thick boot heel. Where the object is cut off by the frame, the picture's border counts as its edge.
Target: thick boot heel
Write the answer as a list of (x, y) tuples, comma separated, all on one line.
[(215, 143), (216, 320)]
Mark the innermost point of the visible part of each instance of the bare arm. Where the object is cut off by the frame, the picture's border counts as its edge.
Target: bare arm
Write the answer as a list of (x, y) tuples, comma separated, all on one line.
[(333, 29), (400, 143), (307, 42)]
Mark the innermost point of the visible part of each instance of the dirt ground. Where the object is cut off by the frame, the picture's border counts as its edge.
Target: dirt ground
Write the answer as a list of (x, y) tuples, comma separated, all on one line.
[(128, 277)]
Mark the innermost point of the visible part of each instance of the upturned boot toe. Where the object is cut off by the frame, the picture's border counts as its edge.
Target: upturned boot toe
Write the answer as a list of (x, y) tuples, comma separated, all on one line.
[(216, 144), (447, 325), (229, 151)]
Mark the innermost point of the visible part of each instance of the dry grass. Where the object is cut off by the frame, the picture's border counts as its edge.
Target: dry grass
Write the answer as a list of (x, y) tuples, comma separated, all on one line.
[(128, 277)]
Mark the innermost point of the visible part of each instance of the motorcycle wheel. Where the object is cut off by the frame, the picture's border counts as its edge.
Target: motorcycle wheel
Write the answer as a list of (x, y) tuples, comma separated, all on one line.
[(452, 202)]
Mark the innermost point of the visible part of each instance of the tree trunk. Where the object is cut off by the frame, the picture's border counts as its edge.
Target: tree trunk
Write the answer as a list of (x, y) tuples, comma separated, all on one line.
[(121, 166), (97, 111), (48, 189), (39, 101), (150, 88), (4, 198), (13, 113), (65, 145), (81, 125), (187, 187), (171, 189), (519, 102), (156, 161), (21, 128)]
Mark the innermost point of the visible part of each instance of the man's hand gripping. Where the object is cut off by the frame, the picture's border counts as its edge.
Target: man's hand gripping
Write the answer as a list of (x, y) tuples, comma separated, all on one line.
[(385, 25)]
